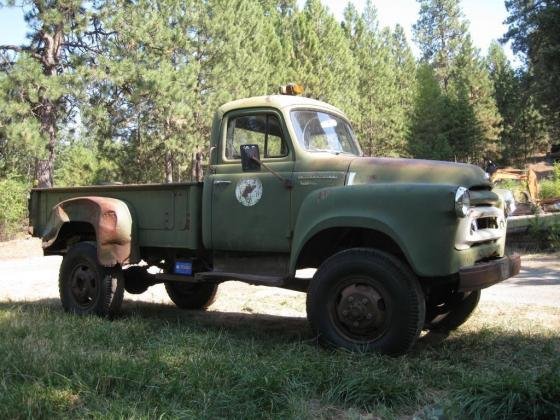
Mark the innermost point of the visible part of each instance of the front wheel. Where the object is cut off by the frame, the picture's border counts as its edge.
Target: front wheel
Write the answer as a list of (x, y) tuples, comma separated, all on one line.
[(85, 286), (366, 300)]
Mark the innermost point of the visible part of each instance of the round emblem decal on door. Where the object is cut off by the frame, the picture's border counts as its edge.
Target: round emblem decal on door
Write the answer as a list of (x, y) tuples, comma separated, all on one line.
[(249, 191)]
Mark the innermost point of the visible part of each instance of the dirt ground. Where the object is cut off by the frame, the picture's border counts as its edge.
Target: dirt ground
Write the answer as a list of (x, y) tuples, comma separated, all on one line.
[(25, 275)]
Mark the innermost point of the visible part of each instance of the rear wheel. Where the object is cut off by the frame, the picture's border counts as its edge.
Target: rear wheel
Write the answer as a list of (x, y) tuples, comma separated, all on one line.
[(85, 286), (366, 300), (192, 295), (452, 312)]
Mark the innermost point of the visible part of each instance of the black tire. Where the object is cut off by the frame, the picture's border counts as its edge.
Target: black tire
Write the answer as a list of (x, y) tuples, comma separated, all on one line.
[(192, 295), (452, 313), (366, 300), (86, 287)]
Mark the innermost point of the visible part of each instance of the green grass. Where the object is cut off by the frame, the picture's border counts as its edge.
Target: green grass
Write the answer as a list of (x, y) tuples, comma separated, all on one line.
[(158, 362)]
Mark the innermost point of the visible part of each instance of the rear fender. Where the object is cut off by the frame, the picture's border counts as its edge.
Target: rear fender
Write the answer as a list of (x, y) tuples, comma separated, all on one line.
[(110, 218)]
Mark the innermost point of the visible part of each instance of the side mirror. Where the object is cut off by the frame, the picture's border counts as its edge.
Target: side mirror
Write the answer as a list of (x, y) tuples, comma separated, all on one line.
[(250, 157)]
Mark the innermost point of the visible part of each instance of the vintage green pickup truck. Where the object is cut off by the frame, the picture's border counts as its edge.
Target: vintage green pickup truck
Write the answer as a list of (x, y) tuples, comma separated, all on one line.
[(398, 245)]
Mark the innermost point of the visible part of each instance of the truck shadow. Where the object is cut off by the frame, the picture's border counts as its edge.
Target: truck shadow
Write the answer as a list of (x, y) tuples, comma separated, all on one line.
[(258, 324), (284, 329)]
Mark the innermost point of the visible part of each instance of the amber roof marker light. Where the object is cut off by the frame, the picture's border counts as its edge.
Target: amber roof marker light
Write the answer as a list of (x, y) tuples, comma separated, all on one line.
[(291, 89)]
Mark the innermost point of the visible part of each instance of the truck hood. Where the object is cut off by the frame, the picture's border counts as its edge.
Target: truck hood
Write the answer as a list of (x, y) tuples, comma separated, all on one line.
[(381, 170)]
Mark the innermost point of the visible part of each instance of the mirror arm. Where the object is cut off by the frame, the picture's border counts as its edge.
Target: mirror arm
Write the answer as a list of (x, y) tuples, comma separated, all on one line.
[(287, 182), (210, 166)]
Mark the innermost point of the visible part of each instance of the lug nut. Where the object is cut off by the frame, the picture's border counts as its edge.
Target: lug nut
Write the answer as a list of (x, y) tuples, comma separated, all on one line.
[(369, 316), (345, 312), (351, 299), (364, 301)]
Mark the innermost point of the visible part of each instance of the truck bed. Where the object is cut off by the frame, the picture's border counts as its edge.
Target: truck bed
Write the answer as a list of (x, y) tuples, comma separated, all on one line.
[(166, 215)]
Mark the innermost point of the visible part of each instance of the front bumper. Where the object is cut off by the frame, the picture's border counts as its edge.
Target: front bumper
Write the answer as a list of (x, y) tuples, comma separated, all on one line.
[(486, 274)]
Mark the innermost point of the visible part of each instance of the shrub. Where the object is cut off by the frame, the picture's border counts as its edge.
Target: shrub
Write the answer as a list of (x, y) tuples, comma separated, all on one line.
[(13, 207), (556, 171), (546, 237), (554, 237), (549, 188)]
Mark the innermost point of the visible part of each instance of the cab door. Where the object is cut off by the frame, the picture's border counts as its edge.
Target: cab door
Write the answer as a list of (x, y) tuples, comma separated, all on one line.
[(251, 210)]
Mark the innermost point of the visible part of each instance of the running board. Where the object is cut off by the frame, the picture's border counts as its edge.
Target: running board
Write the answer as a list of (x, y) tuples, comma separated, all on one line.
[(163, 277), (219, 276), (296, 284)]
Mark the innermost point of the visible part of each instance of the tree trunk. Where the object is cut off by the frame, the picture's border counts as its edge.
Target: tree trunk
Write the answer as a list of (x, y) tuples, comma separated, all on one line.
[(168, 167), (47, 117), (197, 171), (42, 173), (48, 109)]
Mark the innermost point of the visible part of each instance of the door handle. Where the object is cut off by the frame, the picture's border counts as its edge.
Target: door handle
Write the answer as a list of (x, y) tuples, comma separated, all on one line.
[(222, 182)]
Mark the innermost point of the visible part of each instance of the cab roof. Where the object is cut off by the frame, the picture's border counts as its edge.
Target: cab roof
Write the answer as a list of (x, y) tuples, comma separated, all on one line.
[(279, 102)]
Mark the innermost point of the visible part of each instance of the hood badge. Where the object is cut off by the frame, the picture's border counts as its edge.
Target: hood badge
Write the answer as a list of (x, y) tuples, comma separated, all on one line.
[(312, 179)]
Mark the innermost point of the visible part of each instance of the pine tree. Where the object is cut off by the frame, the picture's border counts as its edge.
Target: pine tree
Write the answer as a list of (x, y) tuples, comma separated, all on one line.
[(41, 78), (472, 122), (146, 89), (533, 29), (404, 87), (365, 43), (171, 65), (440, 33), (523, 128), (236, 45), (20, 131), (281, 14), (473, 87), (428, 138), (460, 126), (384, 92), (322, 59)]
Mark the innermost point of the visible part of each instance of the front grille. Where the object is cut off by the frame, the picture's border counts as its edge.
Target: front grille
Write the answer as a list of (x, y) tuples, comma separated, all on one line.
[(483, 224)]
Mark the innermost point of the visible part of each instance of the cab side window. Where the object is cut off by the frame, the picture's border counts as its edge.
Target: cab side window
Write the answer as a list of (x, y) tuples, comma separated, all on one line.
[(262, 129)]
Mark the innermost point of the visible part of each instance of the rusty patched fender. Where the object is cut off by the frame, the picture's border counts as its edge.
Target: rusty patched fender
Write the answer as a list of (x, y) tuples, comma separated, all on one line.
[(111, 220)]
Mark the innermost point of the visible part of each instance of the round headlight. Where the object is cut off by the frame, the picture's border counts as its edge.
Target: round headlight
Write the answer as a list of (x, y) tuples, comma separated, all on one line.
[(462, 201)]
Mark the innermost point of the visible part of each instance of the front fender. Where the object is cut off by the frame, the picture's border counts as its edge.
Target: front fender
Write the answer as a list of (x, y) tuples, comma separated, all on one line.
[(419, 218), (111, 220)]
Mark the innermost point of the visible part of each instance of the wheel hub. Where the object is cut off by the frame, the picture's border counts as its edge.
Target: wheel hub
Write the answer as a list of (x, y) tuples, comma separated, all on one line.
[(361, 308), (83, 285)]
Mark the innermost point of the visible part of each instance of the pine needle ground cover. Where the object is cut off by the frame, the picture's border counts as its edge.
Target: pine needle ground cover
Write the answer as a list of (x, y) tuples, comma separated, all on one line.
[(158, 362)]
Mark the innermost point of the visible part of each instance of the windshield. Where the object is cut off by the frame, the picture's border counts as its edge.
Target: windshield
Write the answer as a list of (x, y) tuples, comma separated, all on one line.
[(321, 132)]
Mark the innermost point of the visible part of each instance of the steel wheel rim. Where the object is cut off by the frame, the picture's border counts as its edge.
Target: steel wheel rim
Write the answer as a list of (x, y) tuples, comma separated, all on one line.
[(84, 285), (361, 309)]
